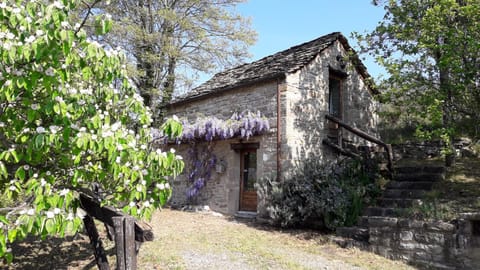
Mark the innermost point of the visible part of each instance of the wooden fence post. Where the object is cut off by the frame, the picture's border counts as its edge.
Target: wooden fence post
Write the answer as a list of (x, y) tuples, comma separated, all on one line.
[(125, 242), (100, 255)]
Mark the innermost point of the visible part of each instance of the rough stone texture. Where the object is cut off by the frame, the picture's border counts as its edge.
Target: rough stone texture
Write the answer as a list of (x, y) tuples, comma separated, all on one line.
[(435, 244), (306, 100), (221, 192), (303, 89), (432, 149)]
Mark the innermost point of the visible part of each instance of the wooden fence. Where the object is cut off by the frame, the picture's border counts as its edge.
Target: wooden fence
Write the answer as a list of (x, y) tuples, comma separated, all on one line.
[(127, 233)]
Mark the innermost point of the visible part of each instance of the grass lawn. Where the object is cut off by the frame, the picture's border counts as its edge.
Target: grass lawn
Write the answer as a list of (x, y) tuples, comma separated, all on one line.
[(187, 240)]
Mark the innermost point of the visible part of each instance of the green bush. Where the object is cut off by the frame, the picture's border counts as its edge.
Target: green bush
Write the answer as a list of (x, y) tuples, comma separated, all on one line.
[(333, 194)]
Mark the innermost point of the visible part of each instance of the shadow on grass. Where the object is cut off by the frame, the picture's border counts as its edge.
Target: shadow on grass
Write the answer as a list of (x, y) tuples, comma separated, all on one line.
[(321, 236), (71, 252)]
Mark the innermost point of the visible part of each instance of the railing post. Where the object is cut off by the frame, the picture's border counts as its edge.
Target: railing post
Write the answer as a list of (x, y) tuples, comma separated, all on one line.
[(125, 242), (96, 242)]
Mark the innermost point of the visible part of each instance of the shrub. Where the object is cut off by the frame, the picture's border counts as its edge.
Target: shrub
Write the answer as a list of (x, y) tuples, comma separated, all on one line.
[(334, 194)]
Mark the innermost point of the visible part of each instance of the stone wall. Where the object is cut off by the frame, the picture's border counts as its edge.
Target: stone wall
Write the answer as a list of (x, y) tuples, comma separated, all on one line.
[(435, 244), (433, 149), (221, 192), (307, 96)]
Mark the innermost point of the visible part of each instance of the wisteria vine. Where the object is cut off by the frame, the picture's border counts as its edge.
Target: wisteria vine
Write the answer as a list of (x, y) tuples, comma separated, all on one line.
[(209, 129), (242, 125)]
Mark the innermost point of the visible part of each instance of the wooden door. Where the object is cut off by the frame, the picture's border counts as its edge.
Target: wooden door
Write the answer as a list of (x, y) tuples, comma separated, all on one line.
[(248, 178)]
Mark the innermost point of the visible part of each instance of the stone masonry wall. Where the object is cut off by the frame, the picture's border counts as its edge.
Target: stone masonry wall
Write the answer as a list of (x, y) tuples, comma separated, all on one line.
[(307, 95), (432, 245), (221, 193)]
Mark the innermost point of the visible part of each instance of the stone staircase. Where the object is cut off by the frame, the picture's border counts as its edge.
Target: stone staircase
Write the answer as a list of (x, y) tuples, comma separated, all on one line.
[(408, 186)]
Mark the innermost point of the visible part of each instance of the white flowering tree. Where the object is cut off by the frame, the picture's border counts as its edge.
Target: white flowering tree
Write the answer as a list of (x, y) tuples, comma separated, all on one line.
[(70, 119)]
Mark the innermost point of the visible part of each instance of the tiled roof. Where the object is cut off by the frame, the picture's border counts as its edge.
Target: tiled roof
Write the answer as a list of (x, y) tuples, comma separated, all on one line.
[(269, 67)]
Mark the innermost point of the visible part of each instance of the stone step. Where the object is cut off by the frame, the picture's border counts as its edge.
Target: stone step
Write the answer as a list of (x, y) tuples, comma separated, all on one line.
[(415, 177), (362, 221), (399, 203), (376, 211), (418, 185), (355, 232), (404, 193), (420, 169)]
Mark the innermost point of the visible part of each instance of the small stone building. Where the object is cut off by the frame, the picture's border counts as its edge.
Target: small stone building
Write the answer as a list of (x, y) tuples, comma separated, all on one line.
[(294, 89)]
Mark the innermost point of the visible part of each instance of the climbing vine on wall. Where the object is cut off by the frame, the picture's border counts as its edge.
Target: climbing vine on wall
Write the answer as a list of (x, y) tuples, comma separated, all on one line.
[(202, 134)]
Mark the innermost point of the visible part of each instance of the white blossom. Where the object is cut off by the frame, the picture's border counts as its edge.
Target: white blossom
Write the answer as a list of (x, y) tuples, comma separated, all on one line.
[(10, 35), (3, 5), (40, 130), (139, 188), (43, 182), (49, 71), (26, 167), (80, 213), (50, 214), (35, 106), (56, 211), (160, 186), (13, 188), (54, 129), (115, 126), (146, 203), (64, 192), (31, 212), (65, 24), (70, 216), (58, 4), (7, 46), (131, 204), (16, 10)]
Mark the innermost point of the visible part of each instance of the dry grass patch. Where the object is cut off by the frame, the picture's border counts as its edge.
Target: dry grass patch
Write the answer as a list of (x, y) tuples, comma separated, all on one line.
[(186, 240)]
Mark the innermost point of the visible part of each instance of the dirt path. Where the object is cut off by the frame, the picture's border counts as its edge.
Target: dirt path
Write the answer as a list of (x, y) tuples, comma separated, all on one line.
[(186, 240)]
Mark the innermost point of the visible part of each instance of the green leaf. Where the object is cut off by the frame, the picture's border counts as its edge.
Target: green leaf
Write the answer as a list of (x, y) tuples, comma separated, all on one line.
[(20, 174), (50, 226), (39, 141), (12, 235), (4, 220), (3, 171)]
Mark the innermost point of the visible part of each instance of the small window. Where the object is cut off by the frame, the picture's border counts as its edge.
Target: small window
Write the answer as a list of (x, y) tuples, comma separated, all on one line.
[(334, 99), (475, 227)]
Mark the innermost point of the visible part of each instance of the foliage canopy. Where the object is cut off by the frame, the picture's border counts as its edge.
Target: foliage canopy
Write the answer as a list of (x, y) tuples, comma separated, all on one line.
[(70, 120), (431, 51)]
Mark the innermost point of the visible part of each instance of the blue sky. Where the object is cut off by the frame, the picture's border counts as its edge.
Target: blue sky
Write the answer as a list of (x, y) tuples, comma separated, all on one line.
[(281, 24)]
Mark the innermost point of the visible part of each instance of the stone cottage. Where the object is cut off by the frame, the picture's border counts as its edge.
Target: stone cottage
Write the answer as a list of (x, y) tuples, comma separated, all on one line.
[(294, 89)]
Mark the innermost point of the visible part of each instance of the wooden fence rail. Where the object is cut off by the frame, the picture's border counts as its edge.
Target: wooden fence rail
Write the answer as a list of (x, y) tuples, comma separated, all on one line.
[(128, 233)]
